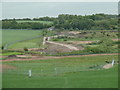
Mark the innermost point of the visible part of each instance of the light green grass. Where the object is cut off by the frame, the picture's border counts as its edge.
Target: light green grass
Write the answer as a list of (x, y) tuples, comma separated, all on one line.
[(34, 43), (44, 22), (11, 53), (71, 72), (14, 36), (20, 38)]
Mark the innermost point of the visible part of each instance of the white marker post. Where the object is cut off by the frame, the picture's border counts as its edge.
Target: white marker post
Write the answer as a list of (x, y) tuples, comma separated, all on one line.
[(30, 73), (55, 70), (113, 61)]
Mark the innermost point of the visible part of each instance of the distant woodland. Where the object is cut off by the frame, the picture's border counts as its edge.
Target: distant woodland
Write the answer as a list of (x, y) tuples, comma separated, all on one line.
[(65, 22)]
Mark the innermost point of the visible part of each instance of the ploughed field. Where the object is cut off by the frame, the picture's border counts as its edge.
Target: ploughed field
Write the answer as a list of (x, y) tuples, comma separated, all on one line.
[(67, 72)]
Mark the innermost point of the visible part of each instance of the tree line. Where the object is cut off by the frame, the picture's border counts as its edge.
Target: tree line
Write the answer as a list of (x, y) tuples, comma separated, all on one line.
[(66, 22), (25, 25)]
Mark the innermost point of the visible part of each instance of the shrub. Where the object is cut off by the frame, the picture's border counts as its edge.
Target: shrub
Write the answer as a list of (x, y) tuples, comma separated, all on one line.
[(100, 49), (2, 47), (25, 49), (106, 41)]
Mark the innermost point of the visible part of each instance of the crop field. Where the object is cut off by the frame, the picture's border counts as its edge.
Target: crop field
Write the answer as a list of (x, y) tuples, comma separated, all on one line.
[(44, 22), (67, 72)]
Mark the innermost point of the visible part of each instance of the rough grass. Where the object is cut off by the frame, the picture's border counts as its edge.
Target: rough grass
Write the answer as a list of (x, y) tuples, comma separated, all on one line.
[(89, 35), (71, 72)]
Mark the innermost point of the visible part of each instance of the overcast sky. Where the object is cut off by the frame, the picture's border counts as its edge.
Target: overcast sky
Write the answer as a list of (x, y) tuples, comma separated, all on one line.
[(53, 1), (60, 0)]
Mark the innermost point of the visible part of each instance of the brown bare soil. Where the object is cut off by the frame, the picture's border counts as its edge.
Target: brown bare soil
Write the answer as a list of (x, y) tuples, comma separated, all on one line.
[(3, 67), (107, 66), (53, 49), (115, 39), (74, 32), (81, 42), (51, 57)]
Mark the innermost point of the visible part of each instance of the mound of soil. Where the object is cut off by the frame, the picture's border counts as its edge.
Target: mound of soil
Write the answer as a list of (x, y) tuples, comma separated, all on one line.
[(12, 56), (53, 49), (107, 66)]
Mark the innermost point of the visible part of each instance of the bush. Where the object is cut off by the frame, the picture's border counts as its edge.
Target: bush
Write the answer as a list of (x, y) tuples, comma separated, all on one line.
[(25, 49), (100, 49), (2, 47), (106, 42)]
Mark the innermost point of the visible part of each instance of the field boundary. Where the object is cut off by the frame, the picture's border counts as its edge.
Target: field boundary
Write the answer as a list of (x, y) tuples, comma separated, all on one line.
[(53, 57), (7, 45)]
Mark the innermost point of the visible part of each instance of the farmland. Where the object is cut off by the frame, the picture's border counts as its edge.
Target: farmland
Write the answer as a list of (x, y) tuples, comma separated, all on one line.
[(61, 52), (57, 71), (67, 72), (18, 39)]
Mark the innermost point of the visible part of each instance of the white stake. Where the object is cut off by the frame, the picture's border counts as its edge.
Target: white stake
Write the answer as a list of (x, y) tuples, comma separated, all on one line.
[(55, 70), (113, 61), (30, 73)]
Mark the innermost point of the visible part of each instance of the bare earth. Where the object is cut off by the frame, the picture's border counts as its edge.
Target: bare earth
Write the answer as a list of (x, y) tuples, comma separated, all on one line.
[(50, 57), (4, 67), (65, 45), (107, 66), (81, 42)]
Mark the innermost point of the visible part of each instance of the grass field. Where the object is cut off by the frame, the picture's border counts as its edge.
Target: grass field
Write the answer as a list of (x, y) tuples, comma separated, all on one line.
[(23, 38), (72, 72), (44, 22), (9, 36), (34, 43)]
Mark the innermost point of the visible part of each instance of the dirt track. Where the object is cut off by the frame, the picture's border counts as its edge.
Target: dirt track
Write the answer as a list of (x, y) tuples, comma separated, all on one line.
[(53, 57), (65, 45)]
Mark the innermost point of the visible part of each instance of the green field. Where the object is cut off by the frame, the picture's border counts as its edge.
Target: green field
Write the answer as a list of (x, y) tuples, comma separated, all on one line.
[(44, 22), (23, 38), (74, 72), (9, 36)]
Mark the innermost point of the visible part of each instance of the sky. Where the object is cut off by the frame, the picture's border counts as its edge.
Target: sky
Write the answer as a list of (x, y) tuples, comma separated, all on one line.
[(60, 0), (3, 1), (33, 9)]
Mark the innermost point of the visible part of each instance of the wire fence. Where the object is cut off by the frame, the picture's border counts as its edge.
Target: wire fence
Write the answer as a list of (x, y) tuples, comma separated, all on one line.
[(49, 71), (9, 44)]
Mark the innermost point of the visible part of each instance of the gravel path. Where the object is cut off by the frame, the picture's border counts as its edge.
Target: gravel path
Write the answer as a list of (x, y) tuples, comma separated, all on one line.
[(65, 45)]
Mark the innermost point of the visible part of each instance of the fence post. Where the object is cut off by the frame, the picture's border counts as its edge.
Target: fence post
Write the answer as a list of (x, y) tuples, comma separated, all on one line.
[(30, 73), (113, 61)]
